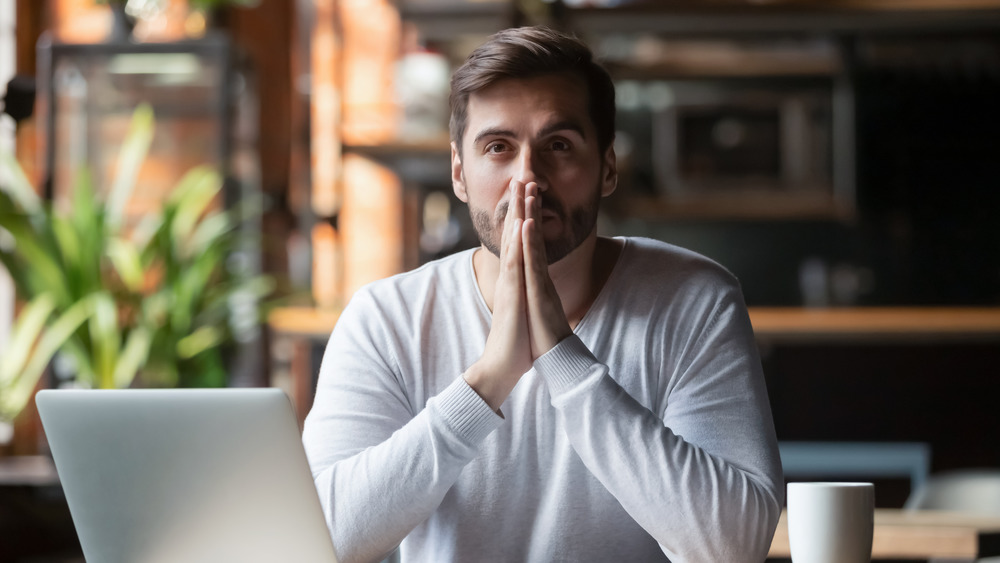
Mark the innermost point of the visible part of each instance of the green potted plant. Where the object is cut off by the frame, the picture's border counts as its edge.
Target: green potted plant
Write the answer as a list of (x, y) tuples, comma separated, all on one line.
[(125, 13), (154, 305)]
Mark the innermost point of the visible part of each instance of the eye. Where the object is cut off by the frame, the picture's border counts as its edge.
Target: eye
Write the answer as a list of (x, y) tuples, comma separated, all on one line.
[(496, 147), (559, 145)]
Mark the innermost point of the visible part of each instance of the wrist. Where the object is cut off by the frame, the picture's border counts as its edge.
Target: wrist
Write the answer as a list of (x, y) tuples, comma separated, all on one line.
[(488, 385)]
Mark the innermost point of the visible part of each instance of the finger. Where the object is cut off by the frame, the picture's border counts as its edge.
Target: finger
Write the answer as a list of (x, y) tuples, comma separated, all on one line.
[(510, 302), (531, 235), (535, 295), (516, 204), (507, 354), (530, 199), (515, 246), (534, 247), (547, 324), (537, 211), (533, 250), (532, 203), (533, 213), (508, 222), (515, 257)]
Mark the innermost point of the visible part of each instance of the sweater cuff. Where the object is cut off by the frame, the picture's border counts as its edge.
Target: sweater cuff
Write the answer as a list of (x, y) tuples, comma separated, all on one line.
[(465, 412), (566, 365)]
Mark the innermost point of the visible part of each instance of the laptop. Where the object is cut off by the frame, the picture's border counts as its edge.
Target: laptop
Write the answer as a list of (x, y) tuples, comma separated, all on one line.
[(184, 475)]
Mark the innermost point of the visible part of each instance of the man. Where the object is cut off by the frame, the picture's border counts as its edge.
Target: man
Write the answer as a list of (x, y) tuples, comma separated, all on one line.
[(552, 395)]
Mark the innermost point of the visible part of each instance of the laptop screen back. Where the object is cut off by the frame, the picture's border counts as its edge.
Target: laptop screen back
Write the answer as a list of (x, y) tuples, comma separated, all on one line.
[(162, 476)]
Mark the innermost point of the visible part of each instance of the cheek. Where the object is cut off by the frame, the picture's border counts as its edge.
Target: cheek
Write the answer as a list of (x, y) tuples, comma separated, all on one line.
[(573, 165), (576, 182), (487, 189)]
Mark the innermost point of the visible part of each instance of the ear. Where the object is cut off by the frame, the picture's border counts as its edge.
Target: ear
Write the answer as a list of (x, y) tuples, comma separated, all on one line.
[(457, 176), (609, 180)]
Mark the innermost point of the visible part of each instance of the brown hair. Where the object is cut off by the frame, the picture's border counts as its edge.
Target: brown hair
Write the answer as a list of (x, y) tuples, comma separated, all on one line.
[(527, 52)]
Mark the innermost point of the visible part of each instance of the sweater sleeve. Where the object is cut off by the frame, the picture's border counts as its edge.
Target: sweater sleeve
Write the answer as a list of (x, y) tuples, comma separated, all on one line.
[(380, 470), (703, 477)]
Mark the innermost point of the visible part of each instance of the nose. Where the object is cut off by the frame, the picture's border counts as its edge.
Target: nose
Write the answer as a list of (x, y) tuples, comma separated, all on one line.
[(530, 168)]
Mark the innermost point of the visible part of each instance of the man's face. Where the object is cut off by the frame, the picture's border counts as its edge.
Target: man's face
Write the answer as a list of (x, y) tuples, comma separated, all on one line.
[(533, 130)]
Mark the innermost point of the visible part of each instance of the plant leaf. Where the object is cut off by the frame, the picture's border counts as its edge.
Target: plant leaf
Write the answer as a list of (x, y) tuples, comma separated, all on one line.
[(10, 260), (130, 159), (87, 217), (84, 211), (212, 230), (147, 228), (161, 367), (133, 356), (15, 397), (12, 265), (69, 249), (156, 308), (18, 187), (191, 285), (26, 330), (198, 341), (83, 362), (36, 256), (197, 189), (105, 338), (125, 258)]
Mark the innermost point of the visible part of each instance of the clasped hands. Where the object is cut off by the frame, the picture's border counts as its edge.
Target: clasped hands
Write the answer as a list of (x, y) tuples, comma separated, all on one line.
[(528, 318)]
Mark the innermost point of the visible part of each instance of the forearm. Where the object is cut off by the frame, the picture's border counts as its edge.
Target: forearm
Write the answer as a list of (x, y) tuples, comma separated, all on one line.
[(698, 506), (373, 498)]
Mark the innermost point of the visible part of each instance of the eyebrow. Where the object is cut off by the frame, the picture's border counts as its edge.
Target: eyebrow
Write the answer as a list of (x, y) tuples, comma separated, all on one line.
[(563, 125), (547, 130), (492, 132)]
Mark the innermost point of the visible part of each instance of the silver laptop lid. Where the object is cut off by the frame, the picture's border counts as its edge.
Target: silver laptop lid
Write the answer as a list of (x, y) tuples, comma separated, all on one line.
[(172, 475)]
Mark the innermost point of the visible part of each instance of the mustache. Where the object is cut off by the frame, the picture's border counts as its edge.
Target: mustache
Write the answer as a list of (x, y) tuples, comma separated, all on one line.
[(549, 203)]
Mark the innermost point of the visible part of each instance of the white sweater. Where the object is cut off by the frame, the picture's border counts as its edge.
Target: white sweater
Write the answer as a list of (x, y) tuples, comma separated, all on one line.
[(645, 436)]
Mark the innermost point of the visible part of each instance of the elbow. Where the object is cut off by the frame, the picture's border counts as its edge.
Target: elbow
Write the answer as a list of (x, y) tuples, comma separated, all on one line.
[(762, 516), (740, 531), (751, 525)]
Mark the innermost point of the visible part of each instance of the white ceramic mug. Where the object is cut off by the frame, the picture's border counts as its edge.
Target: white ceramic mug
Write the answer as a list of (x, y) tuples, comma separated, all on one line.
[(831, 522)]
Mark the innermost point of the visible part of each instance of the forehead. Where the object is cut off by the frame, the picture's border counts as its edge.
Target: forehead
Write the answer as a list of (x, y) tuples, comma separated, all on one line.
[(520, 104)]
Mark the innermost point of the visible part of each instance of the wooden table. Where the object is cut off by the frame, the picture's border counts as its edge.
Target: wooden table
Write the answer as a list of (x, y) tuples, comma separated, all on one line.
[(297, 329), (867, 324), (295, 332), (921, 534), (772, 323), (28, 470)]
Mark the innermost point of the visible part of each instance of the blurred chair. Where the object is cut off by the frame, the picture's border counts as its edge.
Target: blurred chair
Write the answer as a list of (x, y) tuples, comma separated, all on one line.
[(856, 460), (967, 490)]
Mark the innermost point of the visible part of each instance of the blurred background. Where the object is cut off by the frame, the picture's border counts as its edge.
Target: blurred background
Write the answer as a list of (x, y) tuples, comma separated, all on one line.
[(838, 156)]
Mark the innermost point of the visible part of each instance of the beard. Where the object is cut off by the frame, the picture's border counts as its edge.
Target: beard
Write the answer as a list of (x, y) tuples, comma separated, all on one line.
[(577, 224)]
